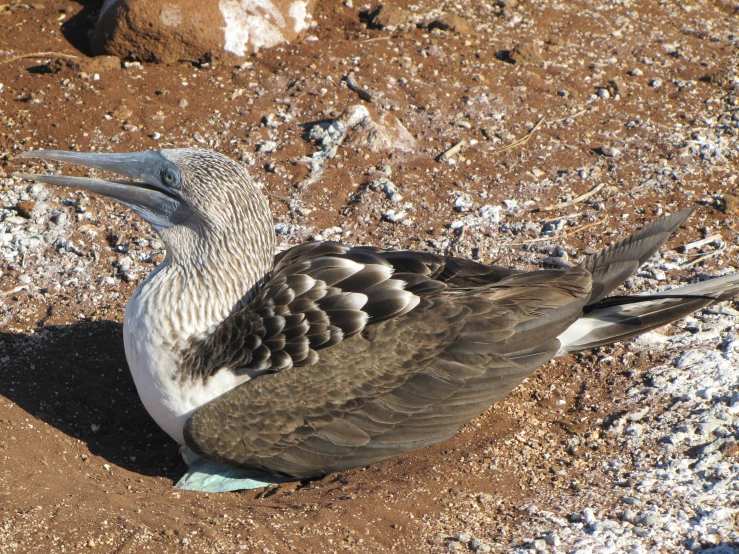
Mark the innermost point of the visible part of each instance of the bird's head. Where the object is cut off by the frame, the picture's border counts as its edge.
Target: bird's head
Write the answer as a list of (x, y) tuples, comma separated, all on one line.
[(187, 195)]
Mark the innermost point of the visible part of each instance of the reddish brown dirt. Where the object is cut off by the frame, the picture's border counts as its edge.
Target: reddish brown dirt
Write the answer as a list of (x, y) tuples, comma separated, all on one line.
[(82, 466)]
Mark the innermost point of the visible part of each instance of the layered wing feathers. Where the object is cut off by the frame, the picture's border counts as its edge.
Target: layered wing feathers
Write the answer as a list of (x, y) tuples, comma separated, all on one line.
[(398, 385), (320, 294)]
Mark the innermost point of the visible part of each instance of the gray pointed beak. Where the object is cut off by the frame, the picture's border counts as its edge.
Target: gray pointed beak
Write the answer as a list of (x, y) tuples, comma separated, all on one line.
[(160, 205)]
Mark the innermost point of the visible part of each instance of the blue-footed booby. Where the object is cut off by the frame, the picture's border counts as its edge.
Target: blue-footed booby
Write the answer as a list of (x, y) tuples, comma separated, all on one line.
[(329, 357)]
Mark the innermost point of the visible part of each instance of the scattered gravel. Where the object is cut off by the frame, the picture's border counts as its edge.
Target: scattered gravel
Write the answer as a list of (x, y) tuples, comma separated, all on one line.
[(682, 489)]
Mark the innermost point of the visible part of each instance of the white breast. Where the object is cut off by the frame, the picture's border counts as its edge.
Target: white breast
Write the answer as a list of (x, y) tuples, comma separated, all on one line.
[(168, 395)]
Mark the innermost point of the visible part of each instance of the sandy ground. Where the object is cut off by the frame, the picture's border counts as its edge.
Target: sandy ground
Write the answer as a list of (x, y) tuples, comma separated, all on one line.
[(635, 102)]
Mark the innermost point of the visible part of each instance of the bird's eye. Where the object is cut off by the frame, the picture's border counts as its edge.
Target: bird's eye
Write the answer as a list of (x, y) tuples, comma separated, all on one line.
[(169, 177)]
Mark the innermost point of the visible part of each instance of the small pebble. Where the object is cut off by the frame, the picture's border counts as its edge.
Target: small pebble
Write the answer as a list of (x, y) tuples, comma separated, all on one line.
[(271, 121), (267, 146), (634, 430), (491, 214), (638, 415), (538, 173), (589, 516), (629, 516), (611, 151), (489, 132), (388, 187), (655, 83), (463, 203), (394, 216), (651, 520)]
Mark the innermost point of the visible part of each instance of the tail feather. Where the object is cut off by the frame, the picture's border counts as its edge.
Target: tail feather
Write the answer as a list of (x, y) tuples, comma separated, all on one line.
[(613, 265), (620, 318)]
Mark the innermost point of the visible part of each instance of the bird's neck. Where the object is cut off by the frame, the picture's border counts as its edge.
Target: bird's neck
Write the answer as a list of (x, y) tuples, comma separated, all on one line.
[(196, 288)]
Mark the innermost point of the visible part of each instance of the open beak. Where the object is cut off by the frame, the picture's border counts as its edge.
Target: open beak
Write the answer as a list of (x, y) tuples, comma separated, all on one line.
[(147, 195)]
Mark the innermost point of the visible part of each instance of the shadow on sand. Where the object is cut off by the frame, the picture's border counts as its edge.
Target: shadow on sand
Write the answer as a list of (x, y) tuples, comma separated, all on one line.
[(78, 27), (75, 378)]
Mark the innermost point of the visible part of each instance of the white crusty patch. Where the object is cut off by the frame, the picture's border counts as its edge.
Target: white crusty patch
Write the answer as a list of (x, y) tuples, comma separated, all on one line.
[(255, 23), (171, 15), (299, 12)]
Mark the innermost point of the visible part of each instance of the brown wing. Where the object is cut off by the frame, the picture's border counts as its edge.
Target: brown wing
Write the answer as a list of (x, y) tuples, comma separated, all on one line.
[(320, 294), (457, 272), (399, 385)]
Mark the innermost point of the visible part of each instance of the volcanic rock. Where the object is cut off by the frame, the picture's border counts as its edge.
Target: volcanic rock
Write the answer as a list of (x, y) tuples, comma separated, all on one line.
[(171, 30)]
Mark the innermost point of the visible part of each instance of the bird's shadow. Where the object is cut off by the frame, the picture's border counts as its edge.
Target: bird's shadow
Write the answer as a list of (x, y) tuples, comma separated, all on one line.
[(75, 378)]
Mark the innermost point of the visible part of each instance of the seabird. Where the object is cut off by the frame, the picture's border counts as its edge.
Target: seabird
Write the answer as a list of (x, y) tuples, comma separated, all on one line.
[(329, 357)]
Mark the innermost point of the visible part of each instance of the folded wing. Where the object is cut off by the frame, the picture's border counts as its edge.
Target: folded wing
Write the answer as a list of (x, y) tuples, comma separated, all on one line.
[(398, 385)]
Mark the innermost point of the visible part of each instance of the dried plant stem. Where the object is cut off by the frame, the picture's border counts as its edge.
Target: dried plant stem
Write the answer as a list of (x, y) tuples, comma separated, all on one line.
[(569, 233), (592, 192), (524, 139), (39, 55)]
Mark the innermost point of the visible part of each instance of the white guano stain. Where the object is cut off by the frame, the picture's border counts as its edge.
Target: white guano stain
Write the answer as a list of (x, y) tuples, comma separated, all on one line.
[(255, 23), (299, 12), (171, 15)]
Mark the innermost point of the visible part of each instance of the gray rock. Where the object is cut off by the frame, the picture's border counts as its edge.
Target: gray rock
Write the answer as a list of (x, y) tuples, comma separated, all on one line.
[(552, 539), (394, 216), (651, 520), (589, 516), (630, 516), (463, 203), (388, 187), (267, 146)]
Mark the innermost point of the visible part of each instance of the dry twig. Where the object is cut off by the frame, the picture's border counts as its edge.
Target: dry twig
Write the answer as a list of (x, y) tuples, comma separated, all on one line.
[(376, 38), (524, 139), (573, 116), (453, 151), (707, 256), (569, 233), (39, 55), (363, 93), (699, 243), (592, 192)]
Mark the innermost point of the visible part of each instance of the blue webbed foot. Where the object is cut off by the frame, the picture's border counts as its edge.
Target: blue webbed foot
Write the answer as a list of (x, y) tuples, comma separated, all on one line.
[(206, 476)]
